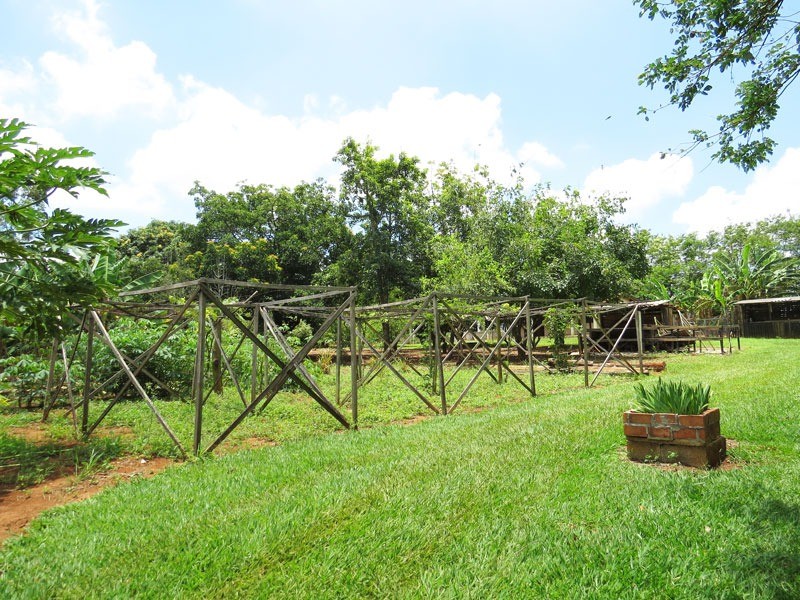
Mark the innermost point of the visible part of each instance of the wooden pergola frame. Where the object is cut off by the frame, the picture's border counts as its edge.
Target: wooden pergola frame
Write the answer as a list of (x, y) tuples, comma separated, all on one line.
[(339, 311), (481, 330)]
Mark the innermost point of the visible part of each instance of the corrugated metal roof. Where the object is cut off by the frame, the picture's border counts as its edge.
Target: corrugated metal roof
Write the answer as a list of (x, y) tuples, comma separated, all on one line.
[(769, 300)]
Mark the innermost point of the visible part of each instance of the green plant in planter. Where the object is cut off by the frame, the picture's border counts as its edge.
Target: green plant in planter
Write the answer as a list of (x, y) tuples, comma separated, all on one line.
[(672, 397)]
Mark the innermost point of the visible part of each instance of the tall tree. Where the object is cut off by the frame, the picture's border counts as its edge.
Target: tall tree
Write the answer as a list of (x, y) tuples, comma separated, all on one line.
[(388, 208), (759, 37), (41, 250)]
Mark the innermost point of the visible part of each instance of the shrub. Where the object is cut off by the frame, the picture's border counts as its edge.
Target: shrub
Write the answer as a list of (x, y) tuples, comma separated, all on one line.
[(26, 378), (673, 397)]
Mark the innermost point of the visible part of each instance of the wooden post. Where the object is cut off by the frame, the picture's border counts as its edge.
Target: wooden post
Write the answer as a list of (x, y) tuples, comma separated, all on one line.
[(500, 350), (216, 357), (198, 373), (254, 327), (437, 349), (529, 345), (585, 340), (50, 396), (338, 361), (354, 359), (87, 378), (267, 364), (135, 382), (68, 381), (640, 339)]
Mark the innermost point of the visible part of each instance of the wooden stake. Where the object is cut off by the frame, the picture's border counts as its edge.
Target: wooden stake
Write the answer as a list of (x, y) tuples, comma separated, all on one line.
[(437, 349), (199, 363), (87, 379)]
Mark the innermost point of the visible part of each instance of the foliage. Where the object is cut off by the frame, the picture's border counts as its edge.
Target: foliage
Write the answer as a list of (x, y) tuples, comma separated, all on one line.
[(300, 231), (672, 397), (463, 267), (757, 36), (173, 362), (573, 248), (744, 275), (159, 246), (556, 321), (300, 334), (25, 375), (706, 275), (39, 249)]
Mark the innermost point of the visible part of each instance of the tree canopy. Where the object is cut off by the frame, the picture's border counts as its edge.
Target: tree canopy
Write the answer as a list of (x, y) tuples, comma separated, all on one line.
[(754, 41)]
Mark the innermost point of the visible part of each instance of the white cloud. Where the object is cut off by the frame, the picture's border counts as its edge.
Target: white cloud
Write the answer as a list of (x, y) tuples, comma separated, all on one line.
[(774, 189), (645, 182), (103, 79), (220, 141), (537, 154)]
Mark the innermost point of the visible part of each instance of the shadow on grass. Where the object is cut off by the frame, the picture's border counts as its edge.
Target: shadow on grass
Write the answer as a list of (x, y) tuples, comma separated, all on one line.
[(771, 564)]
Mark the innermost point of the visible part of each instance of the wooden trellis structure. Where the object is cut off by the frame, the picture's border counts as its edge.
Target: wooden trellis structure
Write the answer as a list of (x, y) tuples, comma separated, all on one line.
[(253, 321), (447, 331), (452, 329)]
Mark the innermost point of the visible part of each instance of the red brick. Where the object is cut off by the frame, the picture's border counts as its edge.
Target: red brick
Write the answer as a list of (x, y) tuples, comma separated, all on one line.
[(639, 418), (660, 433), (711, 416), (664, 419), (685, 433), (710, 433), (708, 455), (691, 420), (636, 431)]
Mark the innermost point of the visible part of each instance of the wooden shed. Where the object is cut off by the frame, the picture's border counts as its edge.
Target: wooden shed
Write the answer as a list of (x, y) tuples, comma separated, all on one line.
[(608, 324), (769, 317), (659, 325)]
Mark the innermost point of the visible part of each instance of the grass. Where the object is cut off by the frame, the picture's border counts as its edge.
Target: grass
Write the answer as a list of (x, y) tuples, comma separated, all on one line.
[(530, 499)]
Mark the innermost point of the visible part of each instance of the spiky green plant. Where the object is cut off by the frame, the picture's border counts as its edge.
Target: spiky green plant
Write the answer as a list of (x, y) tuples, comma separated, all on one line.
[(672, 397)]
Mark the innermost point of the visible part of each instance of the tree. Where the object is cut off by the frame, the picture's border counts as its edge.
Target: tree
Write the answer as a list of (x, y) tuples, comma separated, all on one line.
[(749, 274), (386, 204), (465, 268), (574, 248), (760, 36), (299, 231), (41, 251), (159, 246)]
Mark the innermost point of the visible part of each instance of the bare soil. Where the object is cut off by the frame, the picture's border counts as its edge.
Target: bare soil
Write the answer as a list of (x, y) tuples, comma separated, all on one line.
[(20, 507)]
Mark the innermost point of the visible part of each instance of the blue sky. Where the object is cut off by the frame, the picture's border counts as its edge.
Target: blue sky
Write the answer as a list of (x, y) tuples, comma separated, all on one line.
[(167, 93)]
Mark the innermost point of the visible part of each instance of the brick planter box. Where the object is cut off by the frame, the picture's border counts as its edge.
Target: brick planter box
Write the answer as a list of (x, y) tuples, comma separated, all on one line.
[(692, 440)]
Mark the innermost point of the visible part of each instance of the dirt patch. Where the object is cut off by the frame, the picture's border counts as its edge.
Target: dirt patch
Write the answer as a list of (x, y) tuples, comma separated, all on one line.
[(35, 432), (411, 421), (20, 507)]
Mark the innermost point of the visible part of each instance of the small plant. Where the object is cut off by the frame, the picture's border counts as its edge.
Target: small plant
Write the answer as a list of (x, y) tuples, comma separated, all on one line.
[(673, 397)]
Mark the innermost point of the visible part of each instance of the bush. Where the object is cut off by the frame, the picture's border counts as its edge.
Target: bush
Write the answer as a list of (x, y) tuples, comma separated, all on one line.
[(25, 377), (172, 363)]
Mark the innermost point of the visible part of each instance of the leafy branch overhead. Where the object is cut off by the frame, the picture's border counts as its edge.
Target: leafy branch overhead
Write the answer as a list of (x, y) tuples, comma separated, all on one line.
[(755, 41), (42, 251)]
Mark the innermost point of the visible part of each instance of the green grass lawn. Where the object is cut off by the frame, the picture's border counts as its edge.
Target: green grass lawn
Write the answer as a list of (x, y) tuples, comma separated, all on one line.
[(530, 499)]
